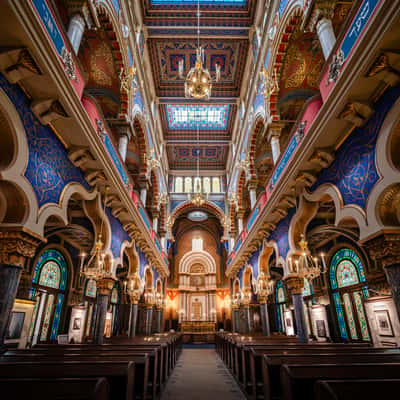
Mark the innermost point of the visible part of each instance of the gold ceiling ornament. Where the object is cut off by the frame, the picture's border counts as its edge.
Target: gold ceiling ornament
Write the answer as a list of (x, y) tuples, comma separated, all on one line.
[(198, 82), (96, 266), (270, 86), (306, 265)]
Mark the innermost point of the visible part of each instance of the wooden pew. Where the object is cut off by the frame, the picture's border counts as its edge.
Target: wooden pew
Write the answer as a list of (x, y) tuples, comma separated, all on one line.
[(54, 389), (249, 355), (370, 389), (298, 380), (120, 375), (141, 365), (273, 363)]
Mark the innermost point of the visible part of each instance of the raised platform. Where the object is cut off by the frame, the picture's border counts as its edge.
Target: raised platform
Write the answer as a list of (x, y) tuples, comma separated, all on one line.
[(198, 337)]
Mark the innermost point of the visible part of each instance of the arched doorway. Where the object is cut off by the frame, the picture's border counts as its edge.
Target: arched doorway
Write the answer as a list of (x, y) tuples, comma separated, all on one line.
[(349, 287), (49, 283)]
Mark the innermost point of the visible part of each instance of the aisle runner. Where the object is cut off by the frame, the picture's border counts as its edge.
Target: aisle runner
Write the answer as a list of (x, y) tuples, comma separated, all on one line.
[(201, 375)]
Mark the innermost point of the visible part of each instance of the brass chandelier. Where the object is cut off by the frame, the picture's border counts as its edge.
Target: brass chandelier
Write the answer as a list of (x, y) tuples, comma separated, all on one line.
[(198, 82)]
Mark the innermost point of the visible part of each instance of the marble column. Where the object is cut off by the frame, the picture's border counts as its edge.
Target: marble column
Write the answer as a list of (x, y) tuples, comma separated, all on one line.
[(326, 36), (123, 146), (235, 317), (275, 148), (133, 320), (295, 283), (9, 280), (101, 313), (253, 197), (158, 320), (149, 320), (75, 31), (143, 196), (393, 277), (265, 319), (247, 327)]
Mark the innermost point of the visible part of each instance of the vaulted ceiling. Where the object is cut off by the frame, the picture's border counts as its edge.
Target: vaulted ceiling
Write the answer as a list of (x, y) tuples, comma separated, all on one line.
[(224, 35)]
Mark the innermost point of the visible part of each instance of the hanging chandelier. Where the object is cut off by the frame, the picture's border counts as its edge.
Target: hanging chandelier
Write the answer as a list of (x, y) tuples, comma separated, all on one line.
[(198, 82), (96, 267), (306, 265)]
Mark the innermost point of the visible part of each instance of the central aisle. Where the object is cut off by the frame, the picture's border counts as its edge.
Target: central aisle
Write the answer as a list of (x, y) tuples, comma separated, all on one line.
[(200, 374)]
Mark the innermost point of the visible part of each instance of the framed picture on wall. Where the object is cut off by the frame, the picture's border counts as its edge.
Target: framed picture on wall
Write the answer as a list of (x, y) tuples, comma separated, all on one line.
[(77, 324), (383, 323), (321, 331), (288, 322), (15, 326)]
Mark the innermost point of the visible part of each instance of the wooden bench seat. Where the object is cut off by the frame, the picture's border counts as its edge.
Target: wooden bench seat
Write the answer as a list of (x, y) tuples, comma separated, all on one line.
[(366, 389), (298, 380), (145, 381), (54, 389), (120, 375), (272, 365)]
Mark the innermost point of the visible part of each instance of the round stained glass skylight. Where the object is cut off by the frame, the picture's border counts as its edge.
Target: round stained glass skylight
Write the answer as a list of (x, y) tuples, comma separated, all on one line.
[(197, 216)]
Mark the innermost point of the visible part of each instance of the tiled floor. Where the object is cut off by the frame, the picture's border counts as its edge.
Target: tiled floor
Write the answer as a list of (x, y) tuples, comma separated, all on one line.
[(200, 374)]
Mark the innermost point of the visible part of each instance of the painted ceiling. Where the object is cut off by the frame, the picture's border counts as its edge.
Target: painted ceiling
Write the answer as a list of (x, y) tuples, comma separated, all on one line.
[(171, 37)]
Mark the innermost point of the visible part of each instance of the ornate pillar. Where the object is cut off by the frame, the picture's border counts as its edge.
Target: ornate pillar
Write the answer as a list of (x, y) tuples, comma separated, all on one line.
[(75, 31), (385, 250), (253, 192), (123, 146), (16, 246), (133, 319), (104, 286), (240, 215), (273, 135), (320, 19), (235, 318), (149, 319), (266, 330), (155, 215), (294, 282), (158, 320), (143, 195)]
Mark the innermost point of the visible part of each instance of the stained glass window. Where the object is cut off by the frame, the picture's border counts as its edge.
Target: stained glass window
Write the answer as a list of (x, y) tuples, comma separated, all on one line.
[(361, 315), (89, 319), (47, 316), (346, 274), (193, 116), (206, 185), (50, 275), (54, 256), (307, 290), (188, 185), (339, 311), (114, 296), (178, 184), (350, 316), (351, 256), (91, 288), (280, 292), (216, 185), (57, 315)]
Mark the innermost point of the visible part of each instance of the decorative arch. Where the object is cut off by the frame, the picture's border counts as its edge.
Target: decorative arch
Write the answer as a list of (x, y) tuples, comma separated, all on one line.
[(290, 18), (188, 205), (133, 257), (144, 148), (148, 278), (197, 256), (258, 128)]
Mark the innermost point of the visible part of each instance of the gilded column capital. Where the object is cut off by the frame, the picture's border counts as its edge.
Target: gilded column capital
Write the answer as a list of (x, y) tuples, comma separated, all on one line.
[(317, 10), (105, 285), (16, 245), (294, 282)]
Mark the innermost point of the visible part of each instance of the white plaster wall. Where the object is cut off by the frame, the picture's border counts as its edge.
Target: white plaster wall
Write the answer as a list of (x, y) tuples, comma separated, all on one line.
[(318, 313)]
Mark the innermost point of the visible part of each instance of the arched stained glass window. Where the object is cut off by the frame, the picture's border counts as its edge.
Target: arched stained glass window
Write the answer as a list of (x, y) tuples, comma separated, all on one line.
[(281, 295), (91, 288), (280, 300), (216, 185), (178, 184), (50, 275), (346, 274), (197, 184), (188, 184), (346, 267), (206, 185)]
